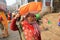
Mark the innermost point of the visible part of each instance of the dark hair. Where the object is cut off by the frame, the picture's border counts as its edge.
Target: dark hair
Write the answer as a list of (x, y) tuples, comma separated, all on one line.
[(30, 14)]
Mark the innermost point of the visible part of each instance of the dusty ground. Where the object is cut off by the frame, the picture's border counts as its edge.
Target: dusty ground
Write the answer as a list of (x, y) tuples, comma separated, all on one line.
[(13, 35), (53, 32)]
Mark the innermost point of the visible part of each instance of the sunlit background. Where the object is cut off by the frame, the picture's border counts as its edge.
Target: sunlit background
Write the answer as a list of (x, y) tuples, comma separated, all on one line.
[(10, 2)]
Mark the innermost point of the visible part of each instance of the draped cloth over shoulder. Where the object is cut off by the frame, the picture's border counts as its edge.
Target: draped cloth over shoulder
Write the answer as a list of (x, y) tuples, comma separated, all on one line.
[(30, 7)]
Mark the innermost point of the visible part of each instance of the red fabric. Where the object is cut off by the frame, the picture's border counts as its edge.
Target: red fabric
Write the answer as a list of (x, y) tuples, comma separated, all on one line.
[(1, 18), (29, 31), (27, 25), (9, 16), (13, 25), (59, 19)]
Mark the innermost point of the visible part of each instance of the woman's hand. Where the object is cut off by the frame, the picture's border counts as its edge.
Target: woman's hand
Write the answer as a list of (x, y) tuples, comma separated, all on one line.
[(18, 15)]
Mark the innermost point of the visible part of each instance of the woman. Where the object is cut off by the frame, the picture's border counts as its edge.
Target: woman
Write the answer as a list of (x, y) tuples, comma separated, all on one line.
[(31, 27)]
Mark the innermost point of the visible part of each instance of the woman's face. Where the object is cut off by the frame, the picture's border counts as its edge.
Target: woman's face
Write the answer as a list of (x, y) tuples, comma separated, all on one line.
[(30, 19)]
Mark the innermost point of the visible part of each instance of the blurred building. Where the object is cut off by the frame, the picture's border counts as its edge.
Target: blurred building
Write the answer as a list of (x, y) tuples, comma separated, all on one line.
[(27, 1), (54, 4), (3, 5), (14, 7)]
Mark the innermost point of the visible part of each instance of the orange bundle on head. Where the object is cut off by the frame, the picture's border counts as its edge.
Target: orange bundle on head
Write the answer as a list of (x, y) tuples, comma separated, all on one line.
[(35, 6), (32, 6), (23, 10), (39, 6)]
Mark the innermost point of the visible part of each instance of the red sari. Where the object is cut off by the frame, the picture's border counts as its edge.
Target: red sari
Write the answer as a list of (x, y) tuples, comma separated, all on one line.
[(31, 32)]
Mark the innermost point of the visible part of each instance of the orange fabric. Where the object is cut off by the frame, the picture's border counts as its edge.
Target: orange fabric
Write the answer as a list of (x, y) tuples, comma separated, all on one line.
[(39, 4), (4, 22), (32, 6), (23, 10)]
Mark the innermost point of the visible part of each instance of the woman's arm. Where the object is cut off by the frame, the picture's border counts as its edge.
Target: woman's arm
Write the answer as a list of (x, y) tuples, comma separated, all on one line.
[(13, 25)]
